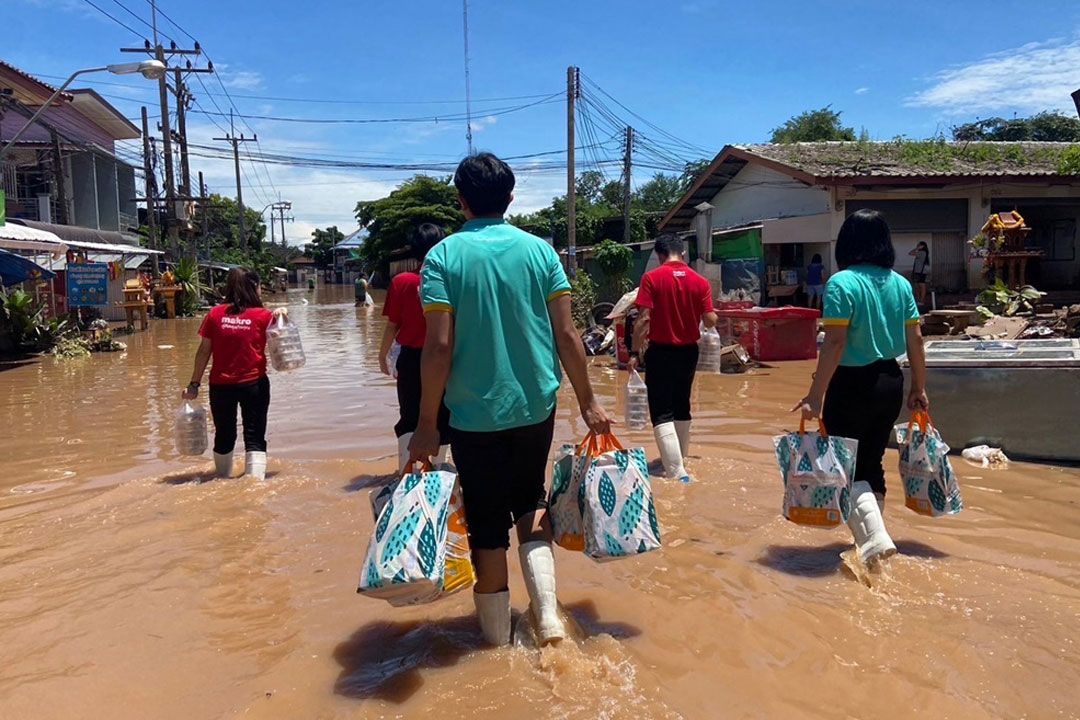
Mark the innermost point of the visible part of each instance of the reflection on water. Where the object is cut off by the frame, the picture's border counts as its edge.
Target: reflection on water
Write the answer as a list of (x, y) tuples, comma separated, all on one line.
[(128, 576)]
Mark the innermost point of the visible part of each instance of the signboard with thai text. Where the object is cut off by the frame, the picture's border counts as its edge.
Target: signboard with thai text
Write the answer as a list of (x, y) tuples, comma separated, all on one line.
[(87, 284)]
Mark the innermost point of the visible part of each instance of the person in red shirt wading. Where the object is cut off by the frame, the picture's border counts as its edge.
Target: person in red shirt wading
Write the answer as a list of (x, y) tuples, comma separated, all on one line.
[(674, 301), (234, 335), (405, 323)]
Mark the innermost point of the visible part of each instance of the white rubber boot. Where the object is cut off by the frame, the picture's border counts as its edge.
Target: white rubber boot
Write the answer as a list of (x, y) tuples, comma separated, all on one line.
[(538, 567), (443, 457), (223, 464), (255, 464), (667, 439), (403, 451), (867, 525), (880, 503), (682, 429), (493, 611)]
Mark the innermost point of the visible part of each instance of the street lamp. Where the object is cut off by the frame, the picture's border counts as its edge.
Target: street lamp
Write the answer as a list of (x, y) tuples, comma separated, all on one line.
[(149, 69)]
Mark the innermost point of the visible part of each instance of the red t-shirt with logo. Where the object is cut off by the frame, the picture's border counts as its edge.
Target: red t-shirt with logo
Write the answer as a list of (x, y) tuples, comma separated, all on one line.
[(238, 343), (403, 308), (676, 297)]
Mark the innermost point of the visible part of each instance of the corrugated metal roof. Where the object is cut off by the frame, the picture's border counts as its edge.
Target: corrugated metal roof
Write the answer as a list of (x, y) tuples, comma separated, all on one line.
[(353, 240), (102, 113), (21, 95)]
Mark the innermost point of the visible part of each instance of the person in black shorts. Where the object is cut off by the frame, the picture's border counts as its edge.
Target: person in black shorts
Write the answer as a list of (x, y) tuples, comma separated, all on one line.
[(497, 304)]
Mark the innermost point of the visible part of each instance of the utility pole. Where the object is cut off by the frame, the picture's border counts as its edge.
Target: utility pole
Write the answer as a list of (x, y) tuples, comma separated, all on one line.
[(571, 175), (627, 156), (202, 212), (151, 191), (281, 207), (235, 141), (59, 179), (182, 97)]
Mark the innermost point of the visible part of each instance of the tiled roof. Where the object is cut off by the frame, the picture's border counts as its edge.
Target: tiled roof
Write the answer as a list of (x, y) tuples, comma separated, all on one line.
[(27, 76), (926, 158)]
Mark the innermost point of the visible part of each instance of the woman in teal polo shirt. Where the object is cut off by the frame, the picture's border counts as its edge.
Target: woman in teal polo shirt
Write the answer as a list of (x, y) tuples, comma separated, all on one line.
[(871, 319)]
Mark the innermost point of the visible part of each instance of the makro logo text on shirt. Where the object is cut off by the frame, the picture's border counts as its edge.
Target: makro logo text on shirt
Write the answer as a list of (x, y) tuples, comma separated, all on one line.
[(235, 323)]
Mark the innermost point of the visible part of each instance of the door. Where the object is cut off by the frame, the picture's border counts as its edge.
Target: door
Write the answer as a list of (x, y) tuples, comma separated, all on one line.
[(948, 262)]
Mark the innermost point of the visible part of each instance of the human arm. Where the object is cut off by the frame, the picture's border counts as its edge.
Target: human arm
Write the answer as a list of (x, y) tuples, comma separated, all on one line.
[(572, 356), (202, 359), (435, 364), (828, 360), (387, 343), (916, 352), (641, 331), (708, 307)]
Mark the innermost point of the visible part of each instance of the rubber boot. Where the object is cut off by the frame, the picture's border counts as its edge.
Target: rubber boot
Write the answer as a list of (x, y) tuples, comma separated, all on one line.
[(880, 503), (223, 464), (867, 525), (538, 567), (667, 439), (493, 611), (443, 457), (255, 464), (403, 451), (682, 429)]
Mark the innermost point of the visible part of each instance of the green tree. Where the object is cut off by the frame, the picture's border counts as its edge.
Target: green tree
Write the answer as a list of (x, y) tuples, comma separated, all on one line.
[(321, 247), (220, 216), (660, 193), (813, 126), (391, 220), (1043, 127)]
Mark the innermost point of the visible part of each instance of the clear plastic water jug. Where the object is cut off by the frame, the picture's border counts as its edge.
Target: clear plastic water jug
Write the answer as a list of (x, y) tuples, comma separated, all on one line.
[(283, 345), (637, 402), (709, 347), (190, 430), (392, 358)]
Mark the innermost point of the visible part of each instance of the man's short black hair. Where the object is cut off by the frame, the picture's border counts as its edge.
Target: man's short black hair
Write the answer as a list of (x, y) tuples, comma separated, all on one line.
[(865, 239), (486, 183), (668, 245), (425, 237)]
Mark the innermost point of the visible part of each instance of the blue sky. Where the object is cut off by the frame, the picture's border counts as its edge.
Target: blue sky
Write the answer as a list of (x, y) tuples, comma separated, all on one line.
[(709, 72)]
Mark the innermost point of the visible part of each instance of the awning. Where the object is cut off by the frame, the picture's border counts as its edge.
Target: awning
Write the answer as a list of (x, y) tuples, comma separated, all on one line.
[(19, 237), (15, 269), (88, 238)]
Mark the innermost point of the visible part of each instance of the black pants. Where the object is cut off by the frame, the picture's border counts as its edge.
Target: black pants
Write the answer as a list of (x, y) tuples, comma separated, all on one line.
[(253, 398), (502, 478), (670, 379), (409, 390), (863, 403)]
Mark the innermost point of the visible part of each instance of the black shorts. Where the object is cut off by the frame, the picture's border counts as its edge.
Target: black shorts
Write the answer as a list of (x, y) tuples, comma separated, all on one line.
[(502, 478), (409, 391), (669, 381)]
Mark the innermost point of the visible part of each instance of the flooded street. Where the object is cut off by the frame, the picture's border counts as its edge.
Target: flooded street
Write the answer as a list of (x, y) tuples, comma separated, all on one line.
[(132, 587)]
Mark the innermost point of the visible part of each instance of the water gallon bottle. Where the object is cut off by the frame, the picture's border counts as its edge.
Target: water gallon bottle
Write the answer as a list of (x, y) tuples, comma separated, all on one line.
[(191, 429), (709, 351), (637, 403), (392, 358), (284, 346)]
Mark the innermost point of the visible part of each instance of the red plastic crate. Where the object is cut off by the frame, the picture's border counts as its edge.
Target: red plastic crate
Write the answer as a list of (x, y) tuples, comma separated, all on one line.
[(785, 333)]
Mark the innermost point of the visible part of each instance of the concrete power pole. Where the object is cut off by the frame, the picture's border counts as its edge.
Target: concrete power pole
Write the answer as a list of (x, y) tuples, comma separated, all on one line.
[(182, 96), (235, 141), (627, 156), (571, 174), (150, 185)]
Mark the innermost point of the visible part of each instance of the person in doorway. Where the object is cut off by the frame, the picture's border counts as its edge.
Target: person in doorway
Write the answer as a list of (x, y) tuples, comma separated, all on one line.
[(858, 390), (920, 271), (405, 324), (815, 282), (361, 289), (674, 301), (234, 335), (497, 305)]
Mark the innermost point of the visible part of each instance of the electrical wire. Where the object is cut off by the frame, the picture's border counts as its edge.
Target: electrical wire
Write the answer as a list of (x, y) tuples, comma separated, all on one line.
[(115, 19)]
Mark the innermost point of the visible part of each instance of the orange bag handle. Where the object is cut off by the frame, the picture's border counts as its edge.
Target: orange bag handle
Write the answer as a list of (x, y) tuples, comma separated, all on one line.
[(594, 444), (920, 418), (820, 424), (425, 466)]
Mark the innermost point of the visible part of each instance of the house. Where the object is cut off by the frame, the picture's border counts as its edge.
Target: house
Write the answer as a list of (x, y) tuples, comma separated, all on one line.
[(774, 206), (302, 269), (346, 267), (65, 170)]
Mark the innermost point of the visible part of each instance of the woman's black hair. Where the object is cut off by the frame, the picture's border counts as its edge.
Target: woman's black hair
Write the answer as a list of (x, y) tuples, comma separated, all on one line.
[(816, 260), (242, 290), (923, 246), (425, 237), (486, 183), (865, 239)]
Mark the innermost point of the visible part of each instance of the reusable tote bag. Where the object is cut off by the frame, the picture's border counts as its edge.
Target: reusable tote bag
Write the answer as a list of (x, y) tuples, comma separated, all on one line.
[(617, 507), (419, 550), (563, 504), (817, 469), (930, 486)]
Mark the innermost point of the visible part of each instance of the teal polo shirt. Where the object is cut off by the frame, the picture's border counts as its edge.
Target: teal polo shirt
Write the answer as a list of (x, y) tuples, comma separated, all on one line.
[(876, 305), (497, 281)]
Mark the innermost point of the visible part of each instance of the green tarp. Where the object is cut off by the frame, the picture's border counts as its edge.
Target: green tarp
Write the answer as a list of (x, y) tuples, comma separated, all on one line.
[(738, 245)]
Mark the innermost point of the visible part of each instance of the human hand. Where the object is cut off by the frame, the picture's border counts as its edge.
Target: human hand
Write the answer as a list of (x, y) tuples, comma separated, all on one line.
[(281, 312), (423, 446), (190, 392), (917, 400), (596, 418), (633, 364), (810, 407), (384, 365)]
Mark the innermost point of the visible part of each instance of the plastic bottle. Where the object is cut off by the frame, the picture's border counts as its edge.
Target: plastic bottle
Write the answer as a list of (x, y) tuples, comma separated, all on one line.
[(190, 429), (637, 402), (283, 346), (392, 358), (709, 351)]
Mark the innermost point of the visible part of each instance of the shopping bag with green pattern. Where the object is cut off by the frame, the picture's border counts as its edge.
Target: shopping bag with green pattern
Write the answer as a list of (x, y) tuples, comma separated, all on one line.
[(563, 507), (817, 470), (616, 501), (406, 562), (930, 486)]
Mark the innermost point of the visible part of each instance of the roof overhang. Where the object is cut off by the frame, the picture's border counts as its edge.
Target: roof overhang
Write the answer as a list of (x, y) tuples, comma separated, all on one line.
[(103, 114)]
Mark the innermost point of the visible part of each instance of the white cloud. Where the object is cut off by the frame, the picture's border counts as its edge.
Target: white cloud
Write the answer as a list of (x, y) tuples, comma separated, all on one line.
[(1033, 77), (484, 122), (243, 80), (862, 91)]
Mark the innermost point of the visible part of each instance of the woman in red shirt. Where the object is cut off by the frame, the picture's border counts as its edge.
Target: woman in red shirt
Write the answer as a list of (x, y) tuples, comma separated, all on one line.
[(405, 323), (234, 335)]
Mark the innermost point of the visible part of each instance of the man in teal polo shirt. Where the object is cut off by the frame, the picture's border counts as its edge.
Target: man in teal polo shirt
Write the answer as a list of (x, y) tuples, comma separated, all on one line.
[(497, 304)]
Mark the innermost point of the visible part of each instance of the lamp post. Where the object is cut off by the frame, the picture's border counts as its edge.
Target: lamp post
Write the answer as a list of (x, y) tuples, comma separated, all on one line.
[(149, 69)]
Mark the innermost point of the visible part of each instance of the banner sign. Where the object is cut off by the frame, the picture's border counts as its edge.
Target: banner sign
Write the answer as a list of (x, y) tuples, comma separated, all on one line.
[(88, 284)]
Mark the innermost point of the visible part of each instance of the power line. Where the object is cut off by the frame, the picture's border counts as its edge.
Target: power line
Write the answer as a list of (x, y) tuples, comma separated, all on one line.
[(115, 19)]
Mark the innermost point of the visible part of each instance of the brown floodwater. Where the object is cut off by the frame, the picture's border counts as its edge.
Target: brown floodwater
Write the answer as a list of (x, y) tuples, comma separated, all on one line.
[(133, 586)]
